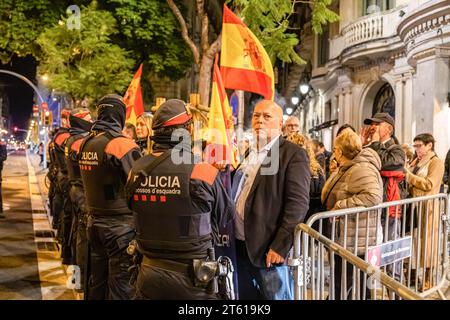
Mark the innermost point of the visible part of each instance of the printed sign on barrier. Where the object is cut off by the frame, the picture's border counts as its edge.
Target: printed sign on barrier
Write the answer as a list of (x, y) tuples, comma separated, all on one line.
[(389, 252)]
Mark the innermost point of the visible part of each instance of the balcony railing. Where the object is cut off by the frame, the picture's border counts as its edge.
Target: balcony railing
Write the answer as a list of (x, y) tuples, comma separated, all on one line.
[(376, 26)]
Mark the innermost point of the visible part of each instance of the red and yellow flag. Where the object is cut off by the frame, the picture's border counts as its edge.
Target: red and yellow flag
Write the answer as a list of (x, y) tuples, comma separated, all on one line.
[(244, 63), (220, 124), (133, 98)]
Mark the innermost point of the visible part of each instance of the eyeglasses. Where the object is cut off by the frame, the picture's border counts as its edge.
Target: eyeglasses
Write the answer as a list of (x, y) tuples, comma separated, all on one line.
[(420, 145)]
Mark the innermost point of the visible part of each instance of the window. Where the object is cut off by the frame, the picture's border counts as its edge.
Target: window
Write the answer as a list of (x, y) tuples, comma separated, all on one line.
[(373, 6), (385, 100)]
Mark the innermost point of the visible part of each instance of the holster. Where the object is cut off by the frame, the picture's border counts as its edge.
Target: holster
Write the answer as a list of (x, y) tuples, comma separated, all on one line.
[(136, 260), (205, 272), (216, 276)]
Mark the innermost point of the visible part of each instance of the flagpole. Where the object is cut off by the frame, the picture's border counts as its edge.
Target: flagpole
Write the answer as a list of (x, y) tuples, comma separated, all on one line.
[(240, 95)]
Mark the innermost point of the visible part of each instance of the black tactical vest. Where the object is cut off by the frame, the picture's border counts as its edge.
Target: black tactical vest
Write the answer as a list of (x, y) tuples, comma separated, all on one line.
[(102, 181), (167, 224), (73, 168), (58, 152)]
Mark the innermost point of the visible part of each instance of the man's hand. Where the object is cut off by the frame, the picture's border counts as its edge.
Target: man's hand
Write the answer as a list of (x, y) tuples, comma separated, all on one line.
[(376, 134), (365, 135), (273, 258)]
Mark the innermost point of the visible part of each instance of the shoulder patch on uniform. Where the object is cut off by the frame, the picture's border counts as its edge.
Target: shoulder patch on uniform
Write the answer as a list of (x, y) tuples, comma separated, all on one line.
[(61, 138), (204, 172), (76, 145), (118, 147)]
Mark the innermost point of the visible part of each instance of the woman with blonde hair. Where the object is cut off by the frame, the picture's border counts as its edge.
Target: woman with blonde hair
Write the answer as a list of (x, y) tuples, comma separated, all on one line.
[(356, 183), (144, 132), (316, 170)]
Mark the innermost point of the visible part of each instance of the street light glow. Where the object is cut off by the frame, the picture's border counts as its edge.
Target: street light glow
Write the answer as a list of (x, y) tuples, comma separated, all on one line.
[(44, 78), (304, 88), (289, 110), (295, 100)]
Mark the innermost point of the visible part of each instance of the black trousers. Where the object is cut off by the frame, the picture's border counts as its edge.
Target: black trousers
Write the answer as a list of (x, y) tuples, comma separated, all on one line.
[(109, 237), (158, 283), (79, 232)]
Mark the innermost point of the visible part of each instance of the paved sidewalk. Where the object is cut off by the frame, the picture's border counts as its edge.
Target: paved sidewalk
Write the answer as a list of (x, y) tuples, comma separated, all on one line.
[(53, 275)]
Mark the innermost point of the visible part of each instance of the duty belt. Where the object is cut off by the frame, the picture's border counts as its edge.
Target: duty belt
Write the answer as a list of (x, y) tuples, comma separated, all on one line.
[(168, 265)]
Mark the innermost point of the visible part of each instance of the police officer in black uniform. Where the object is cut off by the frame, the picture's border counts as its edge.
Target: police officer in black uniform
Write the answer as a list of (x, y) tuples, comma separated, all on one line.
[(105, 160), (178, 207), (80, 125), (62, 206)]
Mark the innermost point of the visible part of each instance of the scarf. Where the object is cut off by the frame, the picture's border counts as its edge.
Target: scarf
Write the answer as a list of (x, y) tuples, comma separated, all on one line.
[(163, 143), (393, 191)]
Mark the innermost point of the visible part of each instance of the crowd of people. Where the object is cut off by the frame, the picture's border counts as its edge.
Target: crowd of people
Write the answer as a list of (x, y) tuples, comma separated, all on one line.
[(142, 219)]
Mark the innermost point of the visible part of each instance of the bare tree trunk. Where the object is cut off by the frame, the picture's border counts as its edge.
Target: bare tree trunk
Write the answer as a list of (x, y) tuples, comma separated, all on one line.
[(204, 81), (204, 86), (203, 57), (184, 30)]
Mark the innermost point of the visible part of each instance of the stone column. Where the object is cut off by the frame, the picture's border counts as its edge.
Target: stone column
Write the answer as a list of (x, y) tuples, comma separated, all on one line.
[(349, 106), (340, 107), (399, 108), (409, 130), (430, 96)]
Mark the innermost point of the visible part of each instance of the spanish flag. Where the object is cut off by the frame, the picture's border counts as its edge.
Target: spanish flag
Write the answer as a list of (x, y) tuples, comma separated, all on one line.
[(244, 63), (219, 147), (133, 98)]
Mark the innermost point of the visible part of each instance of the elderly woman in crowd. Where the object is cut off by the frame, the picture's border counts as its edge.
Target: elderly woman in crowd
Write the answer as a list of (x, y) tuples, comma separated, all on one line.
[(356, 183), (424, 177), (144, 132)]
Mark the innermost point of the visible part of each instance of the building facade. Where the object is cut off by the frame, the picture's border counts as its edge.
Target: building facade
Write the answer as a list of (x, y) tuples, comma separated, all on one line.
[(383, 56)]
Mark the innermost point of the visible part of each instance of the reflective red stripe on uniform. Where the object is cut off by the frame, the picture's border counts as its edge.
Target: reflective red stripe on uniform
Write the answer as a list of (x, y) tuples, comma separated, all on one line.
[(119, 147), (61, 138), (204, 172), (76, 145)]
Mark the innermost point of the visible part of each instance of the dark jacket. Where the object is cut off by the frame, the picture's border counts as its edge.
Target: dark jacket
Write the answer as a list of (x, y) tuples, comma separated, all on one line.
[(277, 203), (393, 158)]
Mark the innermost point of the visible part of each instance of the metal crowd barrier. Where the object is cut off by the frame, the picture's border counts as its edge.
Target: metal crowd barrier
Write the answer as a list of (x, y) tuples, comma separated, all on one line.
[(356, 250)]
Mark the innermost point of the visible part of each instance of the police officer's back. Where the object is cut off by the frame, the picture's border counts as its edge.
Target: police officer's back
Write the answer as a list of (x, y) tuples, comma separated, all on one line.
[(61, 201), (178, 208), (80, 125), (105, 160)]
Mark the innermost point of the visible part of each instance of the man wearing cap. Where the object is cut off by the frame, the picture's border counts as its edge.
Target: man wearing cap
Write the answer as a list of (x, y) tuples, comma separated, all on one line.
[(80, 125), (61, 204), (380, 137), (178, 207), (105, 159)]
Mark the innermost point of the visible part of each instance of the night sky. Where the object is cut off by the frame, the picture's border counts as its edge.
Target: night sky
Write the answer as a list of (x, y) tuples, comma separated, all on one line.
[(19, 93)]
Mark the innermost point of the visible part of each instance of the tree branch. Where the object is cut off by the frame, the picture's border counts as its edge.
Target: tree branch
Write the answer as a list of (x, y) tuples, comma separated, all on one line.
[(184, 31), (204, 24), (214, 47)]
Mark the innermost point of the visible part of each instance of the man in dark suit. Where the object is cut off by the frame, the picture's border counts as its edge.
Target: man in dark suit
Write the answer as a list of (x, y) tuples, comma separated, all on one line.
[(272, 195)]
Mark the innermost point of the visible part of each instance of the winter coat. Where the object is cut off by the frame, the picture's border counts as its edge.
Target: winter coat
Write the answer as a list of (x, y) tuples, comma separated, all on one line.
[(357, 184), (427, 181), (393, 159)]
